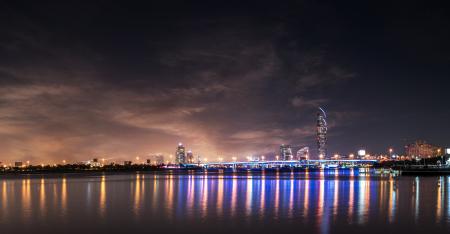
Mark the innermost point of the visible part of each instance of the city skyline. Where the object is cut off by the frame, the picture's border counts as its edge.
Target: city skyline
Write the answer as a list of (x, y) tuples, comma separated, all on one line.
[(226, 79)]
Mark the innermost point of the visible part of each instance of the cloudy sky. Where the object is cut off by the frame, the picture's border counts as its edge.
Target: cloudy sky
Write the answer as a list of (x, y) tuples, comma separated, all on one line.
[(227, 78)]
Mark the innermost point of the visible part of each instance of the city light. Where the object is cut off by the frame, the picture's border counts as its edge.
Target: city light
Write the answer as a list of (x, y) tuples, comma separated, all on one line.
[(447, 151), (361, 152), (234, 159), (351, 155)]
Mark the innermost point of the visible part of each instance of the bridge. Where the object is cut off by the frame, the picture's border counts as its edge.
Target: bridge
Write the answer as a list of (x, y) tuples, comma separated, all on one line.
[(287, 163)]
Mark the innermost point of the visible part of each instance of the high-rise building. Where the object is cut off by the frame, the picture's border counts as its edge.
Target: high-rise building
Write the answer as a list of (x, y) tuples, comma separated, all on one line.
[(189, 157), (285, 152), (157, 159), (322, 133), (180, 154), (303, 153)]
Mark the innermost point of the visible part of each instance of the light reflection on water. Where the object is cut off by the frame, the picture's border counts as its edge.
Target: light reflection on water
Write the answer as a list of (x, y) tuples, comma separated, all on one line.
[(321, 202)]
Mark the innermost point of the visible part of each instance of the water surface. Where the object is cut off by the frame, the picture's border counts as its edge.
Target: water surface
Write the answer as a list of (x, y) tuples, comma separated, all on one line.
[(198, 202)]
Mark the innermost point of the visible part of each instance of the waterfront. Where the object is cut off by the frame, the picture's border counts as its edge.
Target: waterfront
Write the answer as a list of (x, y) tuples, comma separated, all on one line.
[(329, 201)]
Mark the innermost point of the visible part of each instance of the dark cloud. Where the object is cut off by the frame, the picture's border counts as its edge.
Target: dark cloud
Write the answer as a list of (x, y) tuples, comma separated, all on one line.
[(117, 81)]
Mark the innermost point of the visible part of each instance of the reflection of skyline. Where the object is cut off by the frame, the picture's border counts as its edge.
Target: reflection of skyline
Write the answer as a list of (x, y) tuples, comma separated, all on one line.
[(440, 198), (392, 201), (102, 202), (321, 199), (4, 204), (26, 199)]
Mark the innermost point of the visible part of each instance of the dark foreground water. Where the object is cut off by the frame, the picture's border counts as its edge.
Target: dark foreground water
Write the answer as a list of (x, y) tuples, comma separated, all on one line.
[(315, 202)]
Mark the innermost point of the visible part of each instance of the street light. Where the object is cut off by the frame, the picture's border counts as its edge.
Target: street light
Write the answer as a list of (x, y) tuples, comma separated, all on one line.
[(262, 157), (277, 157), (351, 155)]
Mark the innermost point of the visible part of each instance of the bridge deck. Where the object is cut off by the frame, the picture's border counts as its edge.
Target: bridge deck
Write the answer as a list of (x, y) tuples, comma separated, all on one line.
[(290, 162)]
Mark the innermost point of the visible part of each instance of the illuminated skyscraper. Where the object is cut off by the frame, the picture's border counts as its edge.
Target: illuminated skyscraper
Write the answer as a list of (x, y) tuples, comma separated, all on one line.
[(286, 152), (180, 154), (303, 153), (190, 157), (322, 133)]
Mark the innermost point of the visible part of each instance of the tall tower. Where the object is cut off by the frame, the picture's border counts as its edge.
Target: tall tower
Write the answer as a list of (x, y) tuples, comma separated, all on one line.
[(286, 152), (322, 133), (180, 154)]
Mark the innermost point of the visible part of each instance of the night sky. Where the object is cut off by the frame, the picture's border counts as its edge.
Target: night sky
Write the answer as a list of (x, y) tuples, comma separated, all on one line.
[(226, 78)]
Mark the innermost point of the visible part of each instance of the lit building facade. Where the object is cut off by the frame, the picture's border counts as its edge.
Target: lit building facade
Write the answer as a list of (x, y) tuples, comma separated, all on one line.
[(286, 152), (157, 159), (421, 149), (322, 133), (190, 157), (180, 154), (303, 153)]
